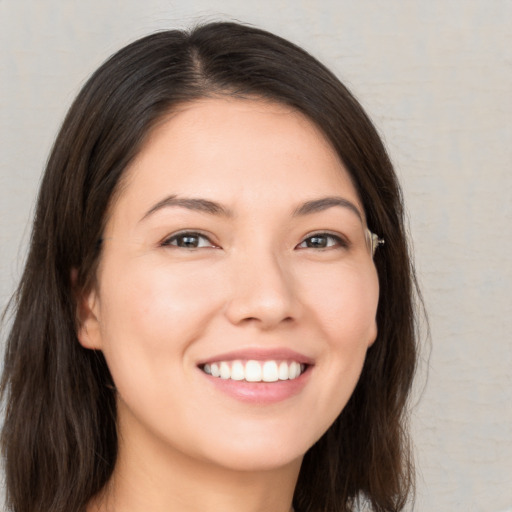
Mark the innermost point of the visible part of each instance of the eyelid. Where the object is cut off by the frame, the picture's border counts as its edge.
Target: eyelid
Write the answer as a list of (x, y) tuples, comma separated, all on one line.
[(341, 240), (166, 242)]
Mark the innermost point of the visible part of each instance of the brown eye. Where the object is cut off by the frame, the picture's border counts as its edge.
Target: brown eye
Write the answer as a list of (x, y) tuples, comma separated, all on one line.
[(322, 241), (188, 240)]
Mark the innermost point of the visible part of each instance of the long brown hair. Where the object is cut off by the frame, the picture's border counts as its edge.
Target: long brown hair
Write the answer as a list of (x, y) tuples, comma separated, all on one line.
[(59, 437)]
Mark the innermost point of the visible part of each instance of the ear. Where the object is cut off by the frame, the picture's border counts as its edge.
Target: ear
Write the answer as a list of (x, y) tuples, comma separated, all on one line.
[(87, 317)]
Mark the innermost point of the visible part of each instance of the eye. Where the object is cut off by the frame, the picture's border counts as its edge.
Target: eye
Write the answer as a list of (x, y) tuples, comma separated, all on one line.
[(322, 241), (188, 240)]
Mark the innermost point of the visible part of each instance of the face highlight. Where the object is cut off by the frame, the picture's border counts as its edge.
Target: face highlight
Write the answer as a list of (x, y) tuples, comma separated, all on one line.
[(236, 293)]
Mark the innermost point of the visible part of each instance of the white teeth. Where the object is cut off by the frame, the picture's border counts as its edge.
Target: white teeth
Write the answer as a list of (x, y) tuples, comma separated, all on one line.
[(237, 371), (255, 371), (283, 371), (294, 370), (214, 368), (270, 371), (225, 371)]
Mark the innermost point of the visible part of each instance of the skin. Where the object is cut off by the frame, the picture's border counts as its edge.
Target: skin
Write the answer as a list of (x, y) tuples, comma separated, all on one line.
[(255, 281)]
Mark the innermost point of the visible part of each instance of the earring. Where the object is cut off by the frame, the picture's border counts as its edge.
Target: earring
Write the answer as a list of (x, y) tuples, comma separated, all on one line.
[(374, 241)]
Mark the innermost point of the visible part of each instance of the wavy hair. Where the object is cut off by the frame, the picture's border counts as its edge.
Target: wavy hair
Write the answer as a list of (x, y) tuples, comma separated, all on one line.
[(59, 438)]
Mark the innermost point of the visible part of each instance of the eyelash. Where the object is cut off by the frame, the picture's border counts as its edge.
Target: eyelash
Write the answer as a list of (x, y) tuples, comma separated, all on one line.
[(338, 241), (169, 242)]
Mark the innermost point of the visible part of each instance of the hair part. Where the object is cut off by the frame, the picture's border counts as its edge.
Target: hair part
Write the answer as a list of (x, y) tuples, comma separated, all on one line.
[(59, 438)]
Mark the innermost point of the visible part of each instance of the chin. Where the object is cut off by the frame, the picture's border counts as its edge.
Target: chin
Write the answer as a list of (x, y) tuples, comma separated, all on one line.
[(258, 460), (252, 452)]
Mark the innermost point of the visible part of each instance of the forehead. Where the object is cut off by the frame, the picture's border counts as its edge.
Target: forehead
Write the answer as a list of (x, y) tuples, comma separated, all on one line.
[(236, 150)]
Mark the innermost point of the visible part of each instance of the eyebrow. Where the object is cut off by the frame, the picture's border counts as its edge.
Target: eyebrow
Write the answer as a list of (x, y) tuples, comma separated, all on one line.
[(195, 204), (213, 208), (319, 205)]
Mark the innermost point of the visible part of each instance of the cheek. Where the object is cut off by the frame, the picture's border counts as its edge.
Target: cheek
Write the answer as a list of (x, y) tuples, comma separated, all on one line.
[(154, 299), (345, 304), (151, 315)]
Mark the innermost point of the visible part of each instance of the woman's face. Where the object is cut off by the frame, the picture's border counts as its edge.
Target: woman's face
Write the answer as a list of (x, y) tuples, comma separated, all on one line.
[(235, 247)]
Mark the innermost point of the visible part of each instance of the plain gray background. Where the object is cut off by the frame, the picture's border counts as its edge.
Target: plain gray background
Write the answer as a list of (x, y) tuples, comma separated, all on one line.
[(436, 77)]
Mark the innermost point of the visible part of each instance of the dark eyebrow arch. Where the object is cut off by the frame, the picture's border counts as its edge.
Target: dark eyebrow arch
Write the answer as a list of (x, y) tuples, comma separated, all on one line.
[(190, 203), (324, 203)]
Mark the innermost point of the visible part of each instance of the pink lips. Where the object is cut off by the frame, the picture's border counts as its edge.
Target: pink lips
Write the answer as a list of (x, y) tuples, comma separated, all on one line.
[(261, 393)]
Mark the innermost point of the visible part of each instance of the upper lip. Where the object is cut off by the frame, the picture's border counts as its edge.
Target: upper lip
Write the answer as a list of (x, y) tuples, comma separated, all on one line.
[(260, 354)]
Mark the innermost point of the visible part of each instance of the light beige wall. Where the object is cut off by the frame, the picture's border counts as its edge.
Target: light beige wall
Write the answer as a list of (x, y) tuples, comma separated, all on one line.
[(436, 76)]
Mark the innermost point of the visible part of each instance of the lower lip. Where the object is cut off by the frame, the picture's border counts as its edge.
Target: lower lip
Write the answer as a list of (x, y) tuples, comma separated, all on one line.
[(260, 392)]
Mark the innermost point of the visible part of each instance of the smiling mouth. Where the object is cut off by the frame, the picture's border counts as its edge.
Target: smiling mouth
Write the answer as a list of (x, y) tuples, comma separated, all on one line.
[(255, 371)]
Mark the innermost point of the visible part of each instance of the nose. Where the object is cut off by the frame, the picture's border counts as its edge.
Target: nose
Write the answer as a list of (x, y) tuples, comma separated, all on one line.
[(263, 293)]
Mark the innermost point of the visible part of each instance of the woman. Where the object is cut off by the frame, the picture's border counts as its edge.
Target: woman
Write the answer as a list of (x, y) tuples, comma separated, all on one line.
[(206, 320)]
